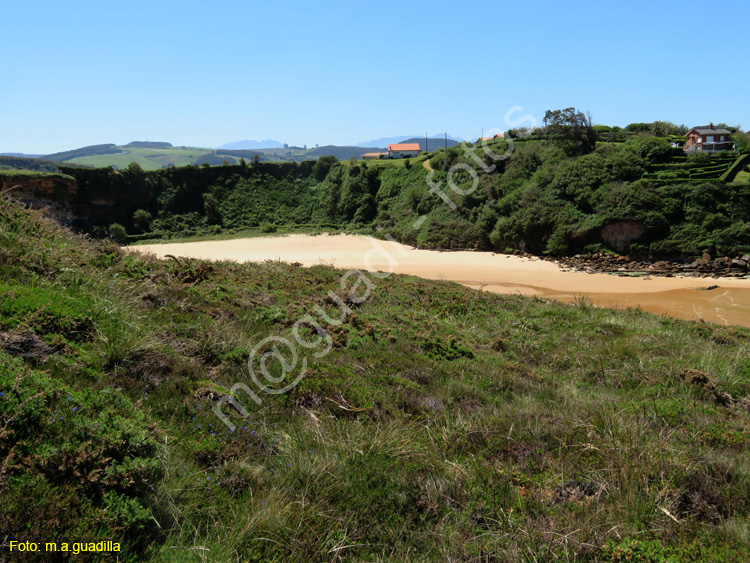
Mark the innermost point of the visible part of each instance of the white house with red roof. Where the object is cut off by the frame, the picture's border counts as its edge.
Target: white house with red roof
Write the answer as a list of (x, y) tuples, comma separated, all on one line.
[(403, 150)]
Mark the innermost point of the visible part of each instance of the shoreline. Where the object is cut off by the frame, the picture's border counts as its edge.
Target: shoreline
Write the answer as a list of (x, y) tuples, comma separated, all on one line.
[(715, 299), (612, 264)]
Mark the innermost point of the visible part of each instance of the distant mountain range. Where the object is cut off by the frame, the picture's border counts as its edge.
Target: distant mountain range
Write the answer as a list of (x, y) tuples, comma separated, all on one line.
[(245, 145)]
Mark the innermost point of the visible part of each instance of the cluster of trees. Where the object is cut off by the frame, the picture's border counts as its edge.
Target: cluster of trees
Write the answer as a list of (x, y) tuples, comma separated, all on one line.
[(150, 145), (570, 120), (570, 128)]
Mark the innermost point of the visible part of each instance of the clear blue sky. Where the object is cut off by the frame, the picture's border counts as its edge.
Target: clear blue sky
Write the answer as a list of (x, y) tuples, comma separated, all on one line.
[(207, 73)]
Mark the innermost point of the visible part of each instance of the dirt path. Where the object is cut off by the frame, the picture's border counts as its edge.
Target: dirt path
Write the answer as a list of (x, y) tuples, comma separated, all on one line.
[(687, 298)]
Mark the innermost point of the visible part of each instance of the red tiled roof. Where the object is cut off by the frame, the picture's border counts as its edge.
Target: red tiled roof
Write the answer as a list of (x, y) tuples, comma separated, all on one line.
[(403, 147)]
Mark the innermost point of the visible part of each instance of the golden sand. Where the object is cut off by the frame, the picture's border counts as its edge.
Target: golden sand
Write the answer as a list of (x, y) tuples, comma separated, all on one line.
[(683, 297)]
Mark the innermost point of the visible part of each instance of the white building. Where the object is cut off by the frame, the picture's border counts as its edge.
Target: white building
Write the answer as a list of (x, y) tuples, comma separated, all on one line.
[(403, 150)]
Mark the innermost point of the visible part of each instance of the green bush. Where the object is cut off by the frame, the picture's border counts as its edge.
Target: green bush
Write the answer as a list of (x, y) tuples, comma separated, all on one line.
[(118, 233)]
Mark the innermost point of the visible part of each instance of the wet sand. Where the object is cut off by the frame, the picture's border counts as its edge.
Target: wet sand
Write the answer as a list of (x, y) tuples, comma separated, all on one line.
[(681, 297)]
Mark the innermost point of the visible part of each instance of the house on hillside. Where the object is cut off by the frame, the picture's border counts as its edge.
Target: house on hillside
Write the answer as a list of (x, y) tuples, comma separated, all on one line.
[(708, 138), (403, 150)]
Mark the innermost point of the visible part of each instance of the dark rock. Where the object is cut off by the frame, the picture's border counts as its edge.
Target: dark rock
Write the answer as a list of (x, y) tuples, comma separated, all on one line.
[(721, 263), (26, 345)]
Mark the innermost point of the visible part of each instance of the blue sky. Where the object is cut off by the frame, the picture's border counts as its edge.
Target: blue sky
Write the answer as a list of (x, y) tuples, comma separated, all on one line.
[(204, 74)]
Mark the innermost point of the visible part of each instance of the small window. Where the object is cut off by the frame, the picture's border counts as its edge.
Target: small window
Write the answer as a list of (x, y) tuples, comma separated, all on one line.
[(710, 139)]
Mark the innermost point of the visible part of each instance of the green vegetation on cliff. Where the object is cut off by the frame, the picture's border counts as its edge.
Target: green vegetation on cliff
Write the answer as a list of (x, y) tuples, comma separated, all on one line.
[(444, 424), (547, 196)]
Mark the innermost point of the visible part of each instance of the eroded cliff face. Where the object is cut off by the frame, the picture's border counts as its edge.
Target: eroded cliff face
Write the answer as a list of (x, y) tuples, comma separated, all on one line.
[(81, 198), (52, 192), (48, 185), (619, 235)]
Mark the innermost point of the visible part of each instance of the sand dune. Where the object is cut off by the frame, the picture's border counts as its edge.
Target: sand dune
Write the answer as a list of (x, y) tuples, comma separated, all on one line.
[(680, 297)]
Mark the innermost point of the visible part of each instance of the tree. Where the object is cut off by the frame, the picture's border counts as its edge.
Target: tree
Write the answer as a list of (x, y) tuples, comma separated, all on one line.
[(142, 220), (742, 140), (655, 149), (118, 233), (212, 209), (135, 168), (660, 128), (323, 166), (572, 129), (638, 128)]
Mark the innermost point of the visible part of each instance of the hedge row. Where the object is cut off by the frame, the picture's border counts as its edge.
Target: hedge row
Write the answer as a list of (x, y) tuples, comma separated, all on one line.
[(717, 168), (705, 175), (738, 165), (689, 165)]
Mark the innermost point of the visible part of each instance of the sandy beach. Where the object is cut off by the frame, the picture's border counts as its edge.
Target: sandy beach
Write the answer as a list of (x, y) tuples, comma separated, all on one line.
[(681, 297)]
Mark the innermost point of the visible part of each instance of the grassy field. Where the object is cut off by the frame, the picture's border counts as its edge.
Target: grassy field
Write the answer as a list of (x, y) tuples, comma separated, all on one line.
[(10, 173), (433, 423), (153, 159), (149, 159), (743, 177)]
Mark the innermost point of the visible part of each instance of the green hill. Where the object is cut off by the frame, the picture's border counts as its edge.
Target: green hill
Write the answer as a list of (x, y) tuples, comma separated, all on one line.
[(148, 158), (433, 423)]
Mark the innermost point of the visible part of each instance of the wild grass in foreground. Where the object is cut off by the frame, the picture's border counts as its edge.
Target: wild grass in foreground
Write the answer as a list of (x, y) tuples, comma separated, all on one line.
[(445, 424)]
